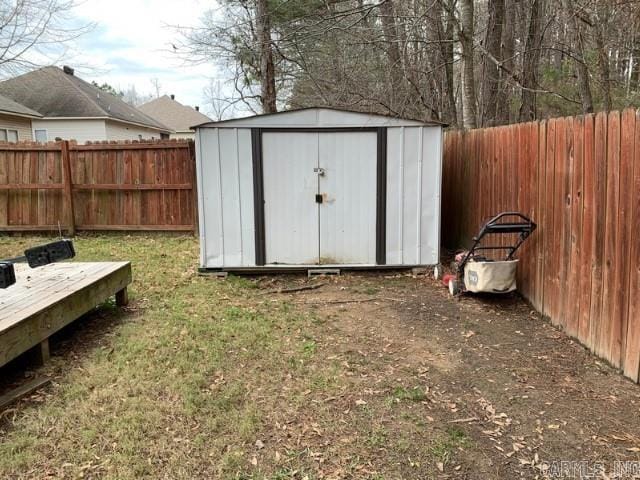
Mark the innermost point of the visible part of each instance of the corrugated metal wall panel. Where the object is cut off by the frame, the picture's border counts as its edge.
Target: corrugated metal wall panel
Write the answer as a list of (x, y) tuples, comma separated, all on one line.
[(225, 184), (413, 195), (209, 192), (290, 187), (410, 196), (395, 191), (246, 214), (230, 196), (348, 213), (431, 188), (199, 193)]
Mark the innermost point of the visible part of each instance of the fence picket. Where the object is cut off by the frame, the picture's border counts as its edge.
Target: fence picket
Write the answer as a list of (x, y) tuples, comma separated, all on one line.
[(632, 340), (612, 162), (572, 306), (624, 237)]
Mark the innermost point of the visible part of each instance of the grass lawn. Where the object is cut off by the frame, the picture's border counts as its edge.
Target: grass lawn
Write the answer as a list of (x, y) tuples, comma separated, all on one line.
[(190, 382), (371, 376)]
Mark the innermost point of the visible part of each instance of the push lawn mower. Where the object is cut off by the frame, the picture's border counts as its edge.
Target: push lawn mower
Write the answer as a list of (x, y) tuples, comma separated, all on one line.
[(475, 272), (36, 257)]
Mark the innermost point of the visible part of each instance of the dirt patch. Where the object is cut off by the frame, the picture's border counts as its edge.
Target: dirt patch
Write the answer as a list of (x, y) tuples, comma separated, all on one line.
[(373, 320), (521, 394)]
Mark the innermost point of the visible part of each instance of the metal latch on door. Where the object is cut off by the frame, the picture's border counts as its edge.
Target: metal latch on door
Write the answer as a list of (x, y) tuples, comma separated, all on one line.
[(319, 171), (323, 198)]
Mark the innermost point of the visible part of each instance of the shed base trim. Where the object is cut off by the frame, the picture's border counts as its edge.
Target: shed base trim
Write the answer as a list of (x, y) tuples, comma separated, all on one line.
[(304, 268)]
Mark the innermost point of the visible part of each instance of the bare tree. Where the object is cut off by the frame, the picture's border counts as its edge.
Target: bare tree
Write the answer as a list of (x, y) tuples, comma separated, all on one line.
[(508, 48), (445, 43), (157, 86), (392, 48), (220, 102), (230, 41), (468, 51), (491, 78), (575, 22), (267, 71), (133, 97), (531, 61), (602, 17), (35, 33)]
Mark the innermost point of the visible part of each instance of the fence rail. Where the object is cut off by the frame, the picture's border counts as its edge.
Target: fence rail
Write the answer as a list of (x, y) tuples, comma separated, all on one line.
[(579, 179), (97, 186)]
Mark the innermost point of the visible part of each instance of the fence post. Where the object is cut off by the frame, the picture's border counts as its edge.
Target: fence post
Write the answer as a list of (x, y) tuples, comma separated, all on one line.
[(68, 188)]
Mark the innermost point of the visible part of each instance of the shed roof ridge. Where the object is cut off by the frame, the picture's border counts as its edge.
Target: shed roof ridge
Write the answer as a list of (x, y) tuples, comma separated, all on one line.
[(317, 109)]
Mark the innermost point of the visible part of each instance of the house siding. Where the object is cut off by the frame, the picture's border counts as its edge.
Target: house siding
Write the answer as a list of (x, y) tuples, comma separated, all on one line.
[(21, 124), (123, 131), (183, 135), (79, 130)]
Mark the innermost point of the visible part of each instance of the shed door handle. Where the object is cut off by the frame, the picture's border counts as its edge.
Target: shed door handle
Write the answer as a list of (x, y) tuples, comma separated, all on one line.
[(319, 198)]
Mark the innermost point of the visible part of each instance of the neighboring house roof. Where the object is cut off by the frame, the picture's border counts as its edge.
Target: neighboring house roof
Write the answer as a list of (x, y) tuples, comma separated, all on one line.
[(8, 106), (57, 93), (173, 114)]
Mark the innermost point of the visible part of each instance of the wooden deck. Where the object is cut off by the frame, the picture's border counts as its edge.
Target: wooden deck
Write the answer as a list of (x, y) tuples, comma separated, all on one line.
[(45, 299)]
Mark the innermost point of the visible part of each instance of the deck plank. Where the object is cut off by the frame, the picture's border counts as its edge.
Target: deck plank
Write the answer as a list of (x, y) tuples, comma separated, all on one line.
[(33, 284), (45, 287), (46, 299), (37, 286)]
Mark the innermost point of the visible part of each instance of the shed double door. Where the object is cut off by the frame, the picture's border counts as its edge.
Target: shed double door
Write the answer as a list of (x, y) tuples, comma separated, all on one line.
[(320, 197)]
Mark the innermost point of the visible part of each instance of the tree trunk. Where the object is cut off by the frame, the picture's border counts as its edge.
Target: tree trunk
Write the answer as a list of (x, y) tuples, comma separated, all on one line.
[(582, 72), (530, 64), (446, 48), (469, 84), (602, 20), (503, 113), (491, 80), (390, 31), (267, 69), (439, 31)]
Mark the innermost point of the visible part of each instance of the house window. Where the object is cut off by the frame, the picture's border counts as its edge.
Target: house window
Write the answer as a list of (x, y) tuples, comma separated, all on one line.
[(40, 135), (8, 135)]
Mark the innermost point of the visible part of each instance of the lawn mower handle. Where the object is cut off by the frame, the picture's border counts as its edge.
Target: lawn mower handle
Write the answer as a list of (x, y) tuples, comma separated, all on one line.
[(494, 226)]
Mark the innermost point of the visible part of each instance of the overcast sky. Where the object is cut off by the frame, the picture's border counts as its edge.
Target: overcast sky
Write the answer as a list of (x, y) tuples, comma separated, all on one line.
[(130, 44)]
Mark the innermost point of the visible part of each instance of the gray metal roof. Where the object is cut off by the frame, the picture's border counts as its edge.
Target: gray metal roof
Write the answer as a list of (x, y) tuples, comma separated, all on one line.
[(9, 106), (54, 93), (319, 117), (173, 114)]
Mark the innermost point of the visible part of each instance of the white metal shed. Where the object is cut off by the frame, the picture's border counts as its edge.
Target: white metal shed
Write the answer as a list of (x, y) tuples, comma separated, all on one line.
[(318, 187)]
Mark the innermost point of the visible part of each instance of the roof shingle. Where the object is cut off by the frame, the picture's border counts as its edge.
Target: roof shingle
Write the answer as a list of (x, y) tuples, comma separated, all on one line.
[(173, 114), (54, 93), (9, 106)]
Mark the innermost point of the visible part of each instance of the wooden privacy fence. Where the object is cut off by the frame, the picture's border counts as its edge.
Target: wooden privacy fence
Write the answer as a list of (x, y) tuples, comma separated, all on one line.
[(97, 186), (579, 179)]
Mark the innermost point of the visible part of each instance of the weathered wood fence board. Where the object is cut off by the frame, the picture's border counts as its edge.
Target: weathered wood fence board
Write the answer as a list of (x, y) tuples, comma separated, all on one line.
[(579, 179), (100, 186)]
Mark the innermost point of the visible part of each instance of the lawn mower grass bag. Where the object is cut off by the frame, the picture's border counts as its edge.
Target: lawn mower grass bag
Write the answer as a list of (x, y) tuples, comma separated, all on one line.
[(490, 276)]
